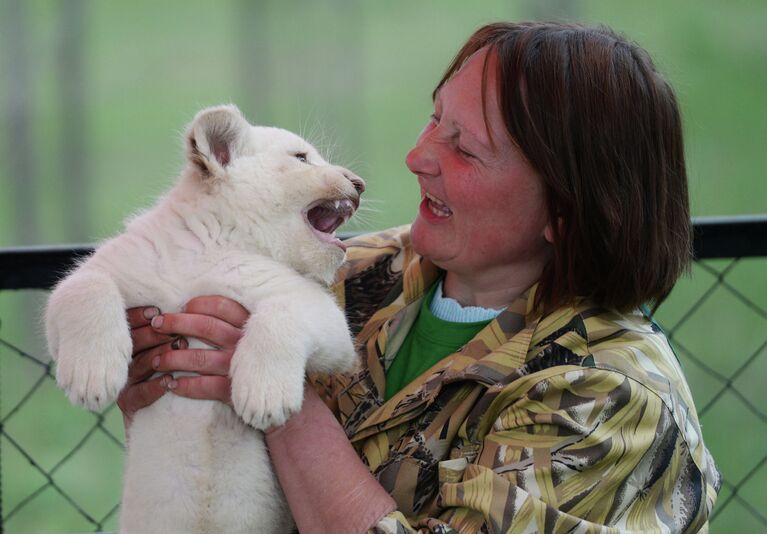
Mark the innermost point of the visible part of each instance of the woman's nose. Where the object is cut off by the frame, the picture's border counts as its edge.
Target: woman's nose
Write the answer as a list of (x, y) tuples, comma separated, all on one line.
[(421, 159)]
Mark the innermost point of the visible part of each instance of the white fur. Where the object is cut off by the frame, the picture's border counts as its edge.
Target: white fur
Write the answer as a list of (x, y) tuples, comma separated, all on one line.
[(232, 226)]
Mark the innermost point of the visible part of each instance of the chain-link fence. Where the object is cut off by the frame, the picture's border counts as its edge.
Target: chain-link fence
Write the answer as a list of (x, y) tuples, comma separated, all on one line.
[(727, 389), (60, 467)]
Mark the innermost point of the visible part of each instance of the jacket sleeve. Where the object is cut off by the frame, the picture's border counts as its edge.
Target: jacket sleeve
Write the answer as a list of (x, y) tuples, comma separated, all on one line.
[(569, 449), (372, 270)]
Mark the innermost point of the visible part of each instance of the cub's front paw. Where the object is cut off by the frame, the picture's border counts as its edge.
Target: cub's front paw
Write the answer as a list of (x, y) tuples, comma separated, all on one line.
[(264, 395), (91, 378)]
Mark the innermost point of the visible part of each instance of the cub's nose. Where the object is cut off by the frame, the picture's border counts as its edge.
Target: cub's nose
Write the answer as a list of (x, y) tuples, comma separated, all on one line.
[(357, 182)]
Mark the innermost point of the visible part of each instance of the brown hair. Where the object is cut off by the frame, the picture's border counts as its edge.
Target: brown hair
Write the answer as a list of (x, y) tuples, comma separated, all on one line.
[(602, 128)]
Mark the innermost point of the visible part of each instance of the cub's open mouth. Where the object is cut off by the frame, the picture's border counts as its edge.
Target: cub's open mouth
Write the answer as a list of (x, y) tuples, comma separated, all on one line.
[(325, 216)]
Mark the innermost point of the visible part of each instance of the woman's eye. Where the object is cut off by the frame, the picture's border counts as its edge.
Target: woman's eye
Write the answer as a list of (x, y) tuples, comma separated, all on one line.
[(301, 156), (464, 153)]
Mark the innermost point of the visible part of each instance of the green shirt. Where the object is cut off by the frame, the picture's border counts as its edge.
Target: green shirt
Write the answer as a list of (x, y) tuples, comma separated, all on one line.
[(430, 339)]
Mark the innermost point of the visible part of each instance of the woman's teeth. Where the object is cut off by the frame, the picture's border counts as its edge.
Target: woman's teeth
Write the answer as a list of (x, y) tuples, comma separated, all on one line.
[(437, 207)]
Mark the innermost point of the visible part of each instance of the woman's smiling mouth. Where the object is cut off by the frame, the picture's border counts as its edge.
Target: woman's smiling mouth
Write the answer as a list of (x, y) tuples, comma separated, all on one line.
[(436, 206)]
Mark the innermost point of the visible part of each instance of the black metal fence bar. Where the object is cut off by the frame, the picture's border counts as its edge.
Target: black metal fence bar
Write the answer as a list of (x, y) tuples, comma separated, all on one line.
[(40, 267), (730, 237), (715, 238)]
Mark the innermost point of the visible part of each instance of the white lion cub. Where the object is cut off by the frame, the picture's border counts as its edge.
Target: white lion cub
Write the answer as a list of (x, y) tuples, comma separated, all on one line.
[(252, 217)]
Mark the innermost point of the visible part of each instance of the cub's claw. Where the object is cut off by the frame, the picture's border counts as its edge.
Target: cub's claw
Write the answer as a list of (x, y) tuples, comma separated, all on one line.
[(95, 385), (92, 373), (264, 404)]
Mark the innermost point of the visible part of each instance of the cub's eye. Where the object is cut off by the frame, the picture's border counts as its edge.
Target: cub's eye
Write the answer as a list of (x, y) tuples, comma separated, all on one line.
[(301, 156)]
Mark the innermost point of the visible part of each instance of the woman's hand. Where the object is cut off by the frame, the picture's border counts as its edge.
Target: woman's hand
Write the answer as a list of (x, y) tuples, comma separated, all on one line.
[(158, 348)]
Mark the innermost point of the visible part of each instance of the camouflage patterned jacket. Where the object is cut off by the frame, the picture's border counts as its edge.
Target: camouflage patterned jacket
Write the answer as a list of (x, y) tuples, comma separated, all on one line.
[(562, 423)]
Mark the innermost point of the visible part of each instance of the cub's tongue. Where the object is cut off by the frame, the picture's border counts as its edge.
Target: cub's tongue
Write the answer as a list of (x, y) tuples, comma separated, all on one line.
[(326, 216), (324, 221), (329, 215)]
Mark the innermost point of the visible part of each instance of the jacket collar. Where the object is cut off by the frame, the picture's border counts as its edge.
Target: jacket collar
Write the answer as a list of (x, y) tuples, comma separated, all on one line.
[(496, 351)]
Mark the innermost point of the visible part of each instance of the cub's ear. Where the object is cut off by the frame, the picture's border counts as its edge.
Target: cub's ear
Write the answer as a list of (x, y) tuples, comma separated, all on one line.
[(215, 138)]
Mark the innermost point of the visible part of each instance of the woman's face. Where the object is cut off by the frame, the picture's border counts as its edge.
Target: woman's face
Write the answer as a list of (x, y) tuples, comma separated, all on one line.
[(482, 206)]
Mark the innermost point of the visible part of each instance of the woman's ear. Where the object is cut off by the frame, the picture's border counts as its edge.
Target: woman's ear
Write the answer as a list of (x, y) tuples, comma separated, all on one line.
[(548, 231), (215, 138)]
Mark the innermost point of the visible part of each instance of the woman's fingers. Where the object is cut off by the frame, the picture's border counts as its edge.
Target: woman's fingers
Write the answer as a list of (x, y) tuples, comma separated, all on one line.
[(213, 383), (207, 387), (142, 334), (140, 395), (212, 318), (157, 348), (223, 308), (142, 366), (141, 316), (203, 361), (210, 329), (146, 337)]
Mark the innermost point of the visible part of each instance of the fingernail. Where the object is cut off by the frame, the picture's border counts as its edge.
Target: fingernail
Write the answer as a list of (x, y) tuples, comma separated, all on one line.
[(155, 362), (157, 321), (172, 384), (164, 381), (151, 312)]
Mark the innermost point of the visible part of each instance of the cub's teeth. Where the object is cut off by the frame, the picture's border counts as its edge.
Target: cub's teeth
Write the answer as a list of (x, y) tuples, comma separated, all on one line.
[(337, 204)]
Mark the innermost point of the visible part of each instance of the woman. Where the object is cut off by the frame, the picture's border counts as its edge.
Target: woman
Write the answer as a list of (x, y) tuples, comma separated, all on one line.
[(510, 381)]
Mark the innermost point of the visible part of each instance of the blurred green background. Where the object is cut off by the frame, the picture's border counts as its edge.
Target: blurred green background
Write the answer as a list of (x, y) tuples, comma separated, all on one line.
[(94, 97)]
